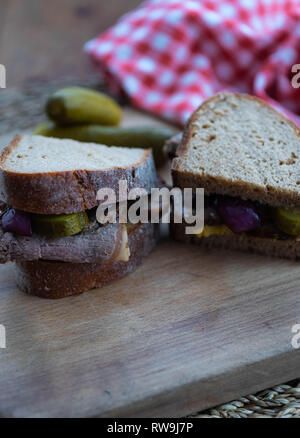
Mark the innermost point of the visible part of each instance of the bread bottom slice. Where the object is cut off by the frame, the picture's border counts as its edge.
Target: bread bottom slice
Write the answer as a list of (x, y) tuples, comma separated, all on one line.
[(289, 248), (50, 279)]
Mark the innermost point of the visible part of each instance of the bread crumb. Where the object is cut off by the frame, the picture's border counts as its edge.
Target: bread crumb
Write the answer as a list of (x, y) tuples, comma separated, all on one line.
[(19, 156), (288, 162)]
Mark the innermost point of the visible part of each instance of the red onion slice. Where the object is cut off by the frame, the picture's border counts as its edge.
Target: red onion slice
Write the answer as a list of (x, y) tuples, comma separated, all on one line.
[(17, 221), (237, 214)]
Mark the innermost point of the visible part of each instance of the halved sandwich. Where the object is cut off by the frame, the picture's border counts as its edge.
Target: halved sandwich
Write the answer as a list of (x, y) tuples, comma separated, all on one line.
[(246, 156), (48, 224)]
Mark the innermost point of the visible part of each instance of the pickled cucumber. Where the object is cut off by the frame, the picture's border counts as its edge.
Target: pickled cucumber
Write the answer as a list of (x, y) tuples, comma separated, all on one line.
[(288, 221), (52, 225), (141, 137), (76, 105), (42, 129)]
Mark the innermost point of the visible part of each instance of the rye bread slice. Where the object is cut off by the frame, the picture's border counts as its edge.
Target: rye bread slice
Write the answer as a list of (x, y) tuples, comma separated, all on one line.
[(57, 279), (237, 145), (54, 176), (289, 248)]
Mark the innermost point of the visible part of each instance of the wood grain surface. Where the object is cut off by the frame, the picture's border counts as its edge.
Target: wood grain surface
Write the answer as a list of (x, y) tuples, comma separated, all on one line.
[(188, 330), (41, 40)]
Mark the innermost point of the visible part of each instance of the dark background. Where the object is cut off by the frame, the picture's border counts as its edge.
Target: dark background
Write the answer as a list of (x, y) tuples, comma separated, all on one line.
[(43, 39)]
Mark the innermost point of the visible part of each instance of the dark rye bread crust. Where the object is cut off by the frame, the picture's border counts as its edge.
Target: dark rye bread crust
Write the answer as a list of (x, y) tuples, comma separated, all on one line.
[(58, 279), (289, 249), (213, 185), (70, 191)]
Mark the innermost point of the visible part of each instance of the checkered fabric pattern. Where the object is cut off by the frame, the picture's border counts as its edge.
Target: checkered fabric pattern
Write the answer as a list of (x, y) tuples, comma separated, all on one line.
[(168, 56)]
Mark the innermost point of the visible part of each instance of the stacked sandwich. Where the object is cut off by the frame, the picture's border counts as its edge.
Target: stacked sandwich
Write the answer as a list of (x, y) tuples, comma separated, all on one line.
[(48, 225), (246, 157)]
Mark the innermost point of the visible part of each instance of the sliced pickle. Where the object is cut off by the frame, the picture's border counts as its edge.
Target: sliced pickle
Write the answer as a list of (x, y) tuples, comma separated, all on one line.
[(288, 221), (52, 225)]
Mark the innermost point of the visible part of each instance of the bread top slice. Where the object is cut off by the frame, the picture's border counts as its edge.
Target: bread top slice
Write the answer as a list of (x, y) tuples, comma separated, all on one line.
[(54, 176), (237, 145)]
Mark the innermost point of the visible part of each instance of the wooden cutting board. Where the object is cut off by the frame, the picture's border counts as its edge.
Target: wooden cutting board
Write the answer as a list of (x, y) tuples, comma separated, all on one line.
[(188, 330)]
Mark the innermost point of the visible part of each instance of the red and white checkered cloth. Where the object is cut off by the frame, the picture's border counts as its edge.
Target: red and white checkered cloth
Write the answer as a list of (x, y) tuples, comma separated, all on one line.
[(168, 56)]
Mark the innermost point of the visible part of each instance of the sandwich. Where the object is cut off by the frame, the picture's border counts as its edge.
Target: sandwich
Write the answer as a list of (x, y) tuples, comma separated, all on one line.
[(48, 214), (246, 156)]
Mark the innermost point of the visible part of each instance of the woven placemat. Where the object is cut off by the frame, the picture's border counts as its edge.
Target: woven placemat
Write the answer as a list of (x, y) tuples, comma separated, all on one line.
[(281, 401), (23, 108)]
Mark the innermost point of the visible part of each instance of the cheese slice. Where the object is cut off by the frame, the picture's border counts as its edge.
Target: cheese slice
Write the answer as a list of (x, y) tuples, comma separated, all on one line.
[(214, 230)]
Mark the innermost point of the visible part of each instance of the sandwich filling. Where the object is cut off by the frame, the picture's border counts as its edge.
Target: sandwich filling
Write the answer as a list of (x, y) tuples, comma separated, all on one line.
[(226, 215), (77, 238)]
